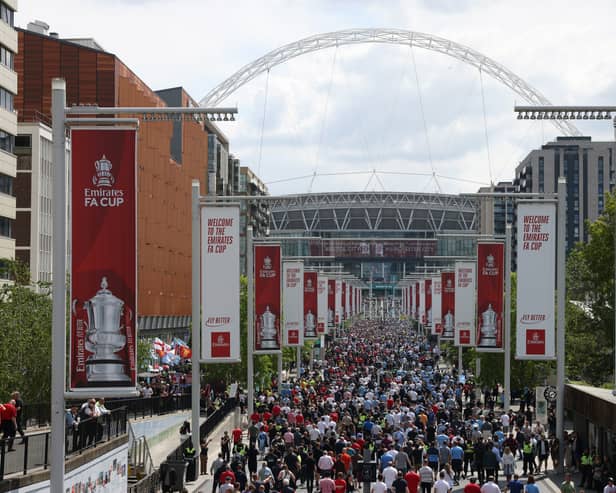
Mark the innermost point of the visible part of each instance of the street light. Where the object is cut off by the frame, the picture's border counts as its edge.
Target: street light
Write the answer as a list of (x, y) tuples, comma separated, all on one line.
[(572, 113)]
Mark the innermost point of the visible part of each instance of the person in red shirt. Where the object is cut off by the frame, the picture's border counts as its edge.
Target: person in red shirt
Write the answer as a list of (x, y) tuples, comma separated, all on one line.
[(8, 418), (472, 487), (341, 484), (412, 480), (227, 473), (236, 433), (255, 417)]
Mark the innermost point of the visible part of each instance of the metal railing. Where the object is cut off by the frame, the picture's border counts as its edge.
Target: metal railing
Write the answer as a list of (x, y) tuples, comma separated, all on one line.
[(35, 451), (152, 406), (152, 482), (39, 414)]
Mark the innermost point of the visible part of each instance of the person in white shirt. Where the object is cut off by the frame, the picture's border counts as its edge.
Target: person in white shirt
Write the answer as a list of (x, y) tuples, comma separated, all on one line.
[(442, 486), (390, 473), (325, 464), (490, 486), (379, 486), (505, 422)]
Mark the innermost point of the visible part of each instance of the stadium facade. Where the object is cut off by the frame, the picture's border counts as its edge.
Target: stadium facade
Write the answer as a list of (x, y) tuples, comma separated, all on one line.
[(378, 237)]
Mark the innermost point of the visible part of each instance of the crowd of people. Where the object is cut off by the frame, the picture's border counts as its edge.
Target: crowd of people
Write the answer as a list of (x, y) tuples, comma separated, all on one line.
[(382, 395)]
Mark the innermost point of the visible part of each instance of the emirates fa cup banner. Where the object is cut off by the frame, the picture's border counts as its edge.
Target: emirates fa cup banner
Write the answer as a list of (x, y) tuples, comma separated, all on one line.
[(220, 274), (338, 302), (437, 326), (293, 303), (448, 308), (535, 328), (490, 264), (103, 261), (413, 302), (321, 305), (311, 307), (464, 312), (422, 302), (428, 296), (331, 302), (267, 278)]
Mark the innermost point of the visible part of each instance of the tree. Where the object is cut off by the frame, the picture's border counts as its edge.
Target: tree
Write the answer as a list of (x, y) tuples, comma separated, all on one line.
[(590, 287), (25, 352)]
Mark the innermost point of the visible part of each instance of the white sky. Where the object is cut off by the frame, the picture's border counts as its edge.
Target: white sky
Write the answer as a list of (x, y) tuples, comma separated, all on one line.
[(372, 117)]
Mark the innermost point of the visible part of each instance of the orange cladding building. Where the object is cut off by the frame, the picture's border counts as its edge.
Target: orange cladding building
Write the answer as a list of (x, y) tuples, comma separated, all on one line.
[(94, 76)]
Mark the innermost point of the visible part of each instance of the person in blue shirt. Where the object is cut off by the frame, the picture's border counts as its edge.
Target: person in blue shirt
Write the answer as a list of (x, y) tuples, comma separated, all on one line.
[(531, 487), (515, 485), (457, 458)]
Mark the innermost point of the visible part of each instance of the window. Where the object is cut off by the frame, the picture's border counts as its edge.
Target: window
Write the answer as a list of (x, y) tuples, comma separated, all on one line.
[(7, 14), (6, 227), (23, 140), (6, 99), (7, 57), (6, 184), (7, 142)]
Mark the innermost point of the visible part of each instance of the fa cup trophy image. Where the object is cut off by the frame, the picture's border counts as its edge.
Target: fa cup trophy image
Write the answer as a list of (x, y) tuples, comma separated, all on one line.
[(105, 338), (269, 339), (488, 327), (448, 325), (310, 324)]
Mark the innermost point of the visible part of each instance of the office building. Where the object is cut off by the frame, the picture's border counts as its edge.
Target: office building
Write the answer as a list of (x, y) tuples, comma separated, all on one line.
[(170, 155), (589, 169), (8, 130), (255, 214)]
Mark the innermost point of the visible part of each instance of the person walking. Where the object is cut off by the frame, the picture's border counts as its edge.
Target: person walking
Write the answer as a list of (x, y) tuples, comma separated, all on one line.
[(426, 478), (567, 486), (508, 461)]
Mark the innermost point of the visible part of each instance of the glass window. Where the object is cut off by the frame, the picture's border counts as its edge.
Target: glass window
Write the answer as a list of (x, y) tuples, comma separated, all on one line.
[(7, 141), (7, 57), (6, 184), (7, 14), (6, 227), (6, 99)]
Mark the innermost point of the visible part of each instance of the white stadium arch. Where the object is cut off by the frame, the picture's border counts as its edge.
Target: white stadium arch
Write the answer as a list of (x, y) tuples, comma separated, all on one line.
[(383, 36)]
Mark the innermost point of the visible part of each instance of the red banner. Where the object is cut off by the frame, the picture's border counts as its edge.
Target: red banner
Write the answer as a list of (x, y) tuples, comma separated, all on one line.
[(490, 263), (343, 311), (331, 301), (428, 294), (103, 260), (448, 304), (267, 297), (310, 305)]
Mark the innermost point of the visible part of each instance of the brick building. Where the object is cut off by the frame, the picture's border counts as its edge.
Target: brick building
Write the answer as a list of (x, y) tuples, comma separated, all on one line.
[(169, 154)]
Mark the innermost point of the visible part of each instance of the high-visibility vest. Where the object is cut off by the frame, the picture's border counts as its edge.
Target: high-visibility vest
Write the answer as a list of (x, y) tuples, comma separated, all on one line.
[(528, 448)]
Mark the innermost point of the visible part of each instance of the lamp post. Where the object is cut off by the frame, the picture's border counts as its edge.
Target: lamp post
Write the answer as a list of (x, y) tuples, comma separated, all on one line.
[(61, 118), (571, 113)]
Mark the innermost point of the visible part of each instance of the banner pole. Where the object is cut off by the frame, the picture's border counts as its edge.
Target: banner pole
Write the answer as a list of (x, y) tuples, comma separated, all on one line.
[(507, 325), (196, 321), (250, 377), (299, 362), (460, 359), (560, 333), (58, 331)]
